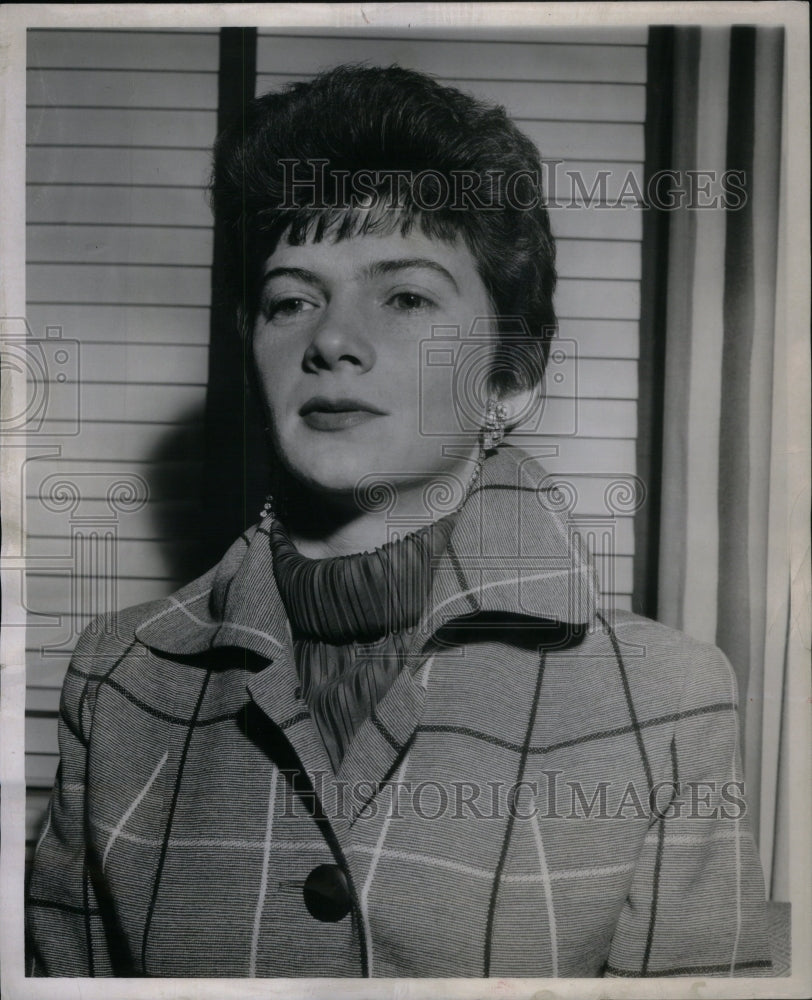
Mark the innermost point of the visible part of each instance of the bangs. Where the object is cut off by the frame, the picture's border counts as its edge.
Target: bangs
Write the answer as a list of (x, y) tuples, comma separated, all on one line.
[(377, 216)]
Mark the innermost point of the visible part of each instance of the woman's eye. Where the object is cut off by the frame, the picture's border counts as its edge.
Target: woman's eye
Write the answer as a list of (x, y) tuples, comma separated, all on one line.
[(288, 308), (410, 302)]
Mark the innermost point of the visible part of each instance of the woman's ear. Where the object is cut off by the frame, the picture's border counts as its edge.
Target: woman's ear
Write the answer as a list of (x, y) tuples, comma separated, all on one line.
[(522, 404)]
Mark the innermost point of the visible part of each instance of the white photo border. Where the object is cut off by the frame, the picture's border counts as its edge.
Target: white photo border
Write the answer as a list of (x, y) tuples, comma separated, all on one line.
[(448, 18)]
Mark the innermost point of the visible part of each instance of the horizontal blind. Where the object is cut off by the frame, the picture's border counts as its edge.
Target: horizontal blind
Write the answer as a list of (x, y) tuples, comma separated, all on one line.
[(580, 95), (119, 248)]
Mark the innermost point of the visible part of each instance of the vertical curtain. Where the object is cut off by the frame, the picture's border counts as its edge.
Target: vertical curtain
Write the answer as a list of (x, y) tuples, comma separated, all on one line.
[(724, 568)]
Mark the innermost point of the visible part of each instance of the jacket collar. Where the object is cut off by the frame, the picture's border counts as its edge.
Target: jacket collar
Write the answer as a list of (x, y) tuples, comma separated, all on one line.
[(510, 552)]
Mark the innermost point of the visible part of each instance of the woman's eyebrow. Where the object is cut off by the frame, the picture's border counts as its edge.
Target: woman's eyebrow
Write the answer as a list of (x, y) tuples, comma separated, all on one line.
[(299, 273), (380, 267)]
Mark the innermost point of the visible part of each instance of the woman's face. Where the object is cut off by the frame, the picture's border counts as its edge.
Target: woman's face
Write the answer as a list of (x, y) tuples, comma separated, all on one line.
[(356, 376)]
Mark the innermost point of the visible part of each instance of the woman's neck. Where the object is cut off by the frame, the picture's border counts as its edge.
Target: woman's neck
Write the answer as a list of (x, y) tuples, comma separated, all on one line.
[(363, 534)]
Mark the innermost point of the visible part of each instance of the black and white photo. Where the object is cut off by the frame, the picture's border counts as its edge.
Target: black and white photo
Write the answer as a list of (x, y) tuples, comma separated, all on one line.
[(406, 491)]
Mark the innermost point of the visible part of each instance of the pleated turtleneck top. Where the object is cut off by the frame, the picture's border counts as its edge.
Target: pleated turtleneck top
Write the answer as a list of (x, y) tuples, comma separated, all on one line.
[(351, 618)]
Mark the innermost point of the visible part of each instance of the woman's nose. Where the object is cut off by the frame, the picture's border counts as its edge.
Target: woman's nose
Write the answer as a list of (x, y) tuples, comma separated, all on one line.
[(340, 339)]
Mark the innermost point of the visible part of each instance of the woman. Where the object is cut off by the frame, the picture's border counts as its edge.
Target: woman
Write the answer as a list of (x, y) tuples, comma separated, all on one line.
[(390, 733)]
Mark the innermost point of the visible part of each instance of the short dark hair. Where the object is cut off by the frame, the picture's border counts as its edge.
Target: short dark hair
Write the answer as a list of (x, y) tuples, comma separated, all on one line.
[(383, 122)]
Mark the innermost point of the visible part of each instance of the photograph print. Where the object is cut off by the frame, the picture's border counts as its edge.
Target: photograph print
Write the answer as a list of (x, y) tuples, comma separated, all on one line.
[(406, 501)]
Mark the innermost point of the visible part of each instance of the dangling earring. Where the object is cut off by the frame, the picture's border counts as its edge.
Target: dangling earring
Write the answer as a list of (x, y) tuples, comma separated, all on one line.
[(275, 505), (494, 430), (491, 436), (268, 508)]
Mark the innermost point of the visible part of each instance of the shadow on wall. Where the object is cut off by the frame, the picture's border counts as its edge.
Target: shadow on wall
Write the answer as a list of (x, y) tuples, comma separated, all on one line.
[(175, 482), (205, 493)]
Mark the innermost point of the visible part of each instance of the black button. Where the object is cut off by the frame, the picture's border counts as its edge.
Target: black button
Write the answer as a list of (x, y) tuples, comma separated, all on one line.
[(326, 894)]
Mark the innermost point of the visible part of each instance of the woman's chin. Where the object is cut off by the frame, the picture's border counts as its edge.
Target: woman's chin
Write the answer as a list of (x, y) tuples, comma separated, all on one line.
[(368, 479), (335, 480)]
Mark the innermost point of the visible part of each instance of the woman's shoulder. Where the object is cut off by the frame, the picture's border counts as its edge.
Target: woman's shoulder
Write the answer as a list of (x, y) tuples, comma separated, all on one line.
[(111, 644), (656, 657), (111, 635)]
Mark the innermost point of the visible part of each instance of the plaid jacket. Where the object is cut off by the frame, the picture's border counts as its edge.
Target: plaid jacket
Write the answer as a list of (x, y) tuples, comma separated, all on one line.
[(541, 793)]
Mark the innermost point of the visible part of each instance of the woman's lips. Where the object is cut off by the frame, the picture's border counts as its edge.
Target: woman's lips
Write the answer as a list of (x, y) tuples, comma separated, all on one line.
[(337, 420), (323, 414)]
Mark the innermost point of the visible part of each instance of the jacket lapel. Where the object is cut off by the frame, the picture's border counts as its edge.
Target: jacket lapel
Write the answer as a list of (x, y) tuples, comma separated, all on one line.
[(238, 605), (381, 740)]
